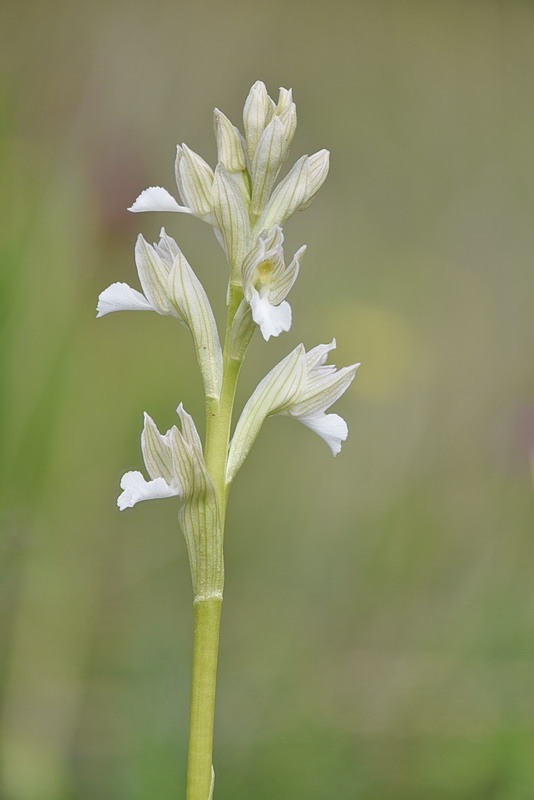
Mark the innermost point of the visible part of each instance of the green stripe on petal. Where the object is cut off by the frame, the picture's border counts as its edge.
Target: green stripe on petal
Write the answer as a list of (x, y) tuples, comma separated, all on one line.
[(157, 451), (191, 305), (273, 395), (232, 218), (230, 148), (153, 276)]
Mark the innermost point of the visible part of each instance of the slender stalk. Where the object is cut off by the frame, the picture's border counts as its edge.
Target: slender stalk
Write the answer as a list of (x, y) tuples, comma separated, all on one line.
[(207, 615), (219, 421), (207, 610)]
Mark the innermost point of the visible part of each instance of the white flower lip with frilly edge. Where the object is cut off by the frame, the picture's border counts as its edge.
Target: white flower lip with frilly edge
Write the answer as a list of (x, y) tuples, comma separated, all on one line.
[(156, 198), (157, 451), (136, 488)]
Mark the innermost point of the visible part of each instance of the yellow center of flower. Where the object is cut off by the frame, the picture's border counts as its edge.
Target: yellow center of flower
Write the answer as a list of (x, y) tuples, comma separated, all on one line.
[(264, 272)]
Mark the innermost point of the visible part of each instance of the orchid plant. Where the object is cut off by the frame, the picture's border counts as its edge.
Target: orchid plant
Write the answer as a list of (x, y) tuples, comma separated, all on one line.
[(246, 206)]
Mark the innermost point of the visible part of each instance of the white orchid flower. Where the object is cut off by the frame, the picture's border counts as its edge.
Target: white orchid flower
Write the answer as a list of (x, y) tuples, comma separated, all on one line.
[(172, 460), (267, 281), (194, 179), (324, 384), (171, 288), (301, 386), (176, 467), (153, 267)]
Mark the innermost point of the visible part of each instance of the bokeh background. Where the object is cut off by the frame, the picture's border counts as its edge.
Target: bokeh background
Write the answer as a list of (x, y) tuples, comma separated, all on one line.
[(378, 626)]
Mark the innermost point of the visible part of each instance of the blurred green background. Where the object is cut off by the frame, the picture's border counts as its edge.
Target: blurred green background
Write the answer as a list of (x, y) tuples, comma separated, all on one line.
[(378, 627)]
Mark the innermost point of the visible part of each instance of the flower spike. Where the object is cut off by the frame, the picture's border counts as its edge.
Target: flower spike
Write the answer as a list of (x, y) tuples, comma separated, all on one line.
[(244, 200), (194, 178)]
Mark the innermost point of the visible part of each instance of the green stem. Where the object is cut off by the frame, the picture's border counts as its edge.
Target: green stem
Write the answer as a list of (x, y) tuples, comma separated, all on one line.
[(207, 610), (219, 422), (207, 616)]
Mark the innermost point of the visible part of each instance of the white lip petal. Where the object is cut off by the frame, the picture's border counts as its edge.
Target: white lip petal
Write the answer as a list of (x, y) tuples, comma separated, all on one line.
[(155, 198), (121, 297), (330, 427), (136, 488), (272, 320)]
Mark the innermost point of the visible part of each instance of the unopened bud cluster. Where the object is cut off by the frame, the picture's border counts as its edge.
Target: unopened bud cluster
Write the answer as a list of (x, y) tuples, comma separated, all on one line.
[(243, 204)]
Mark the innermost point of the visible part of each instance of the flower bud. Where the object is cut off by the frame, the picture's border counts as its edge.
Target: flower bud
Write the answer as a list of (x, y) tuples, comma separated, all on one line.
[(287, 114), (285, 100), (231, 217), (230, 150), (153, 276), (270, 154), (194, 178), (257, 113), (157, 454), (287, 197), (319, 164)]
